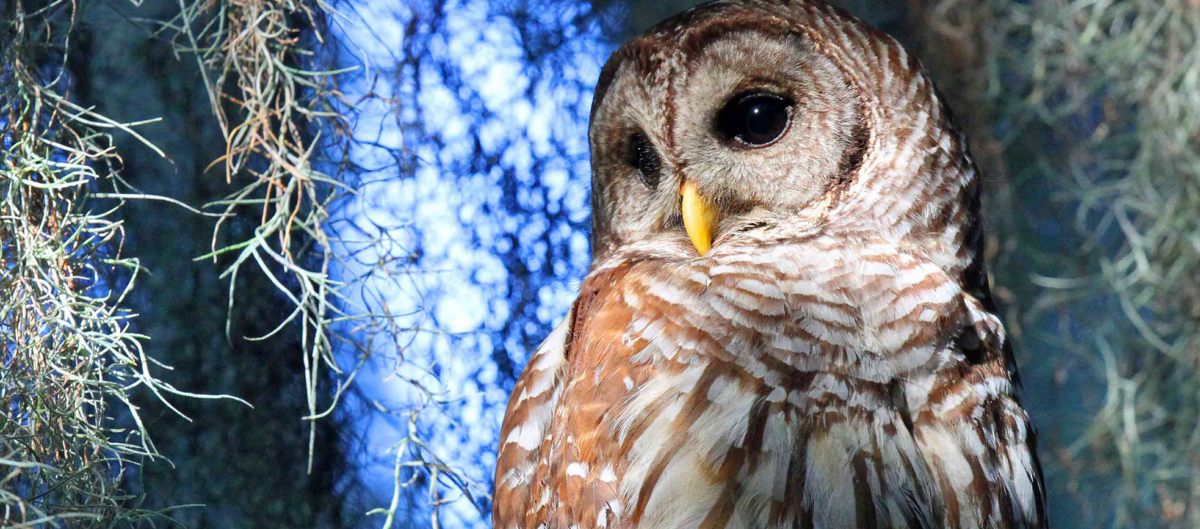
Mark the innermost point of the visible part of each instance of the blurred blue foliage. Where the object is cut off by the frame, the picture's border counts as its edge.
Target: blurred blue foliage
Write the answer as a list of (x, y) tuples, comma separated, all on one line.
[(471, 142)]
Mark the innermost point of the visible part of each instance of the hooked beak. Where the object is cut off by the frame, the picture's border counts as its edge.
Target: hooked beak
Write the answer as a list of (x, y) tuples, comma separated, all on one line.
[(700, 217)]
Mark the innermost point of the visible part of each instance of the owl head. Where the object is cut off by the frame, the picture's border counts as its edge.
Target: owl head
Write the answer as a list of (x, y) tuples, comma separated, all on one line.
[(741, 114)]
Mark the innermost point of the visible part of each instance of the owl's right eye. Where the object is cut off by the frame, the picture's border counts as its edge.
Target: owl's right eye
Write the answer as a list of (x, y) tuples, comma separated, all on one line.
[(755, 119), (644, 158)]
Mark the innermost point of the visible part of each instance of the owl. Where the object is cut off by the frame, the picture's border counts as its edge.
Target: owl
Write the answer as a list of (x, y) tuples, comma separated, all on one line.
[(787, 320)]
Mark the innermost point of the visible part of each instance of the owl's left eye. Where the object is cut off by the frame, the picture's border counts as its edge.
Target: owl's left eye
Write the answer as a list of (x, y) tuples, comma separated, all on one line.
[(755, 119), (643, 157)]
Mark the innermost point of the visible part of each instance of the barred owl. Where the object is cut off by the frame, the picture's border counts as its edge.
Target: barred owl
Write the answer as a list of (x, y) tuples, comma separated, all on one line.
[(787, 321)]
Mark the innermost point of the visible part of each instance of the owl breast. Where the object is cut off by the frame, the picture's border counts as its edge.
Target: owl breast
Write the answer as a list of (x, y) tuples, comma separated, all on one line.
[(727, 392)]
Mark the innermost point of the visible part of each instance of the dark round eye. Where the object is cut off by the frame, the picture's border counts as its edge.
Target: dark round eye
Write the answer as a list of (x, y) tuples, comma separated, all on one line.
[(755, 119), (644, 158)]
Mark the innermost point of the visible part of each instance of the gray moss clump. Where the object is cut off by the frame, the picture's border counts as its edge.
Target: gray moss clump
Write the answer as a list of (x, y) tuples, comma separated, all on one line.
[(1085, 118)]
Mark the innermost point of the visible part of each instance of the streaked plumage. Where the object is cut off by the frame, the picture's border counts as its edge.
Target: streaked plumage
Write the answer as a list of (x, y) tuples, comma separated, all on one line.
[(833, 361)]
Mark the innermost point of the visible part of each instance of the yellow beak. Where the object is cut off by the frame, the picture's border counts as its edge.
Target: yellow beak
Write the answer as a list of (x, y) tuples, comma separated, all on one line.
[(700, 217)]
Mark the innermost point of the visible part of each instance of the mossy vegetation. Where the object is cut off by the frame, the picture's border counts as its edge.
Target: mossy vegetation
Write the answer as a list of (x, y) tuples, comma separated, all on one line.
[(1085, 118)]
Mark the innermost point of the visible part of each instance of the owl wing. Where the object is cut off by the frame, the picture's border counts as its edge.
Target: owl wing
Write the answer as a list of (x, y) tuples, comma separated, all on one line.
[(526, 424), (976, 439), (556, 465)]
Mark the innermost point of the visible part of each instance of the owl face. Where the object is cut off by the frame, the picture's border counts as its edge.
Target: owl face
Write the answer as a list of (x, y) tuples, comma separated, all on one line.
[(694, 133)]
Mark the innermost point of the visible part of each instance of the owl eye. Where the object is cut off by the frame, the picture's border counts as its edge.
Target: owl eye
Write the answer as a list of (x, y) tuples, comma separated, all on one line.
[(644, 158), (755, 119)]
